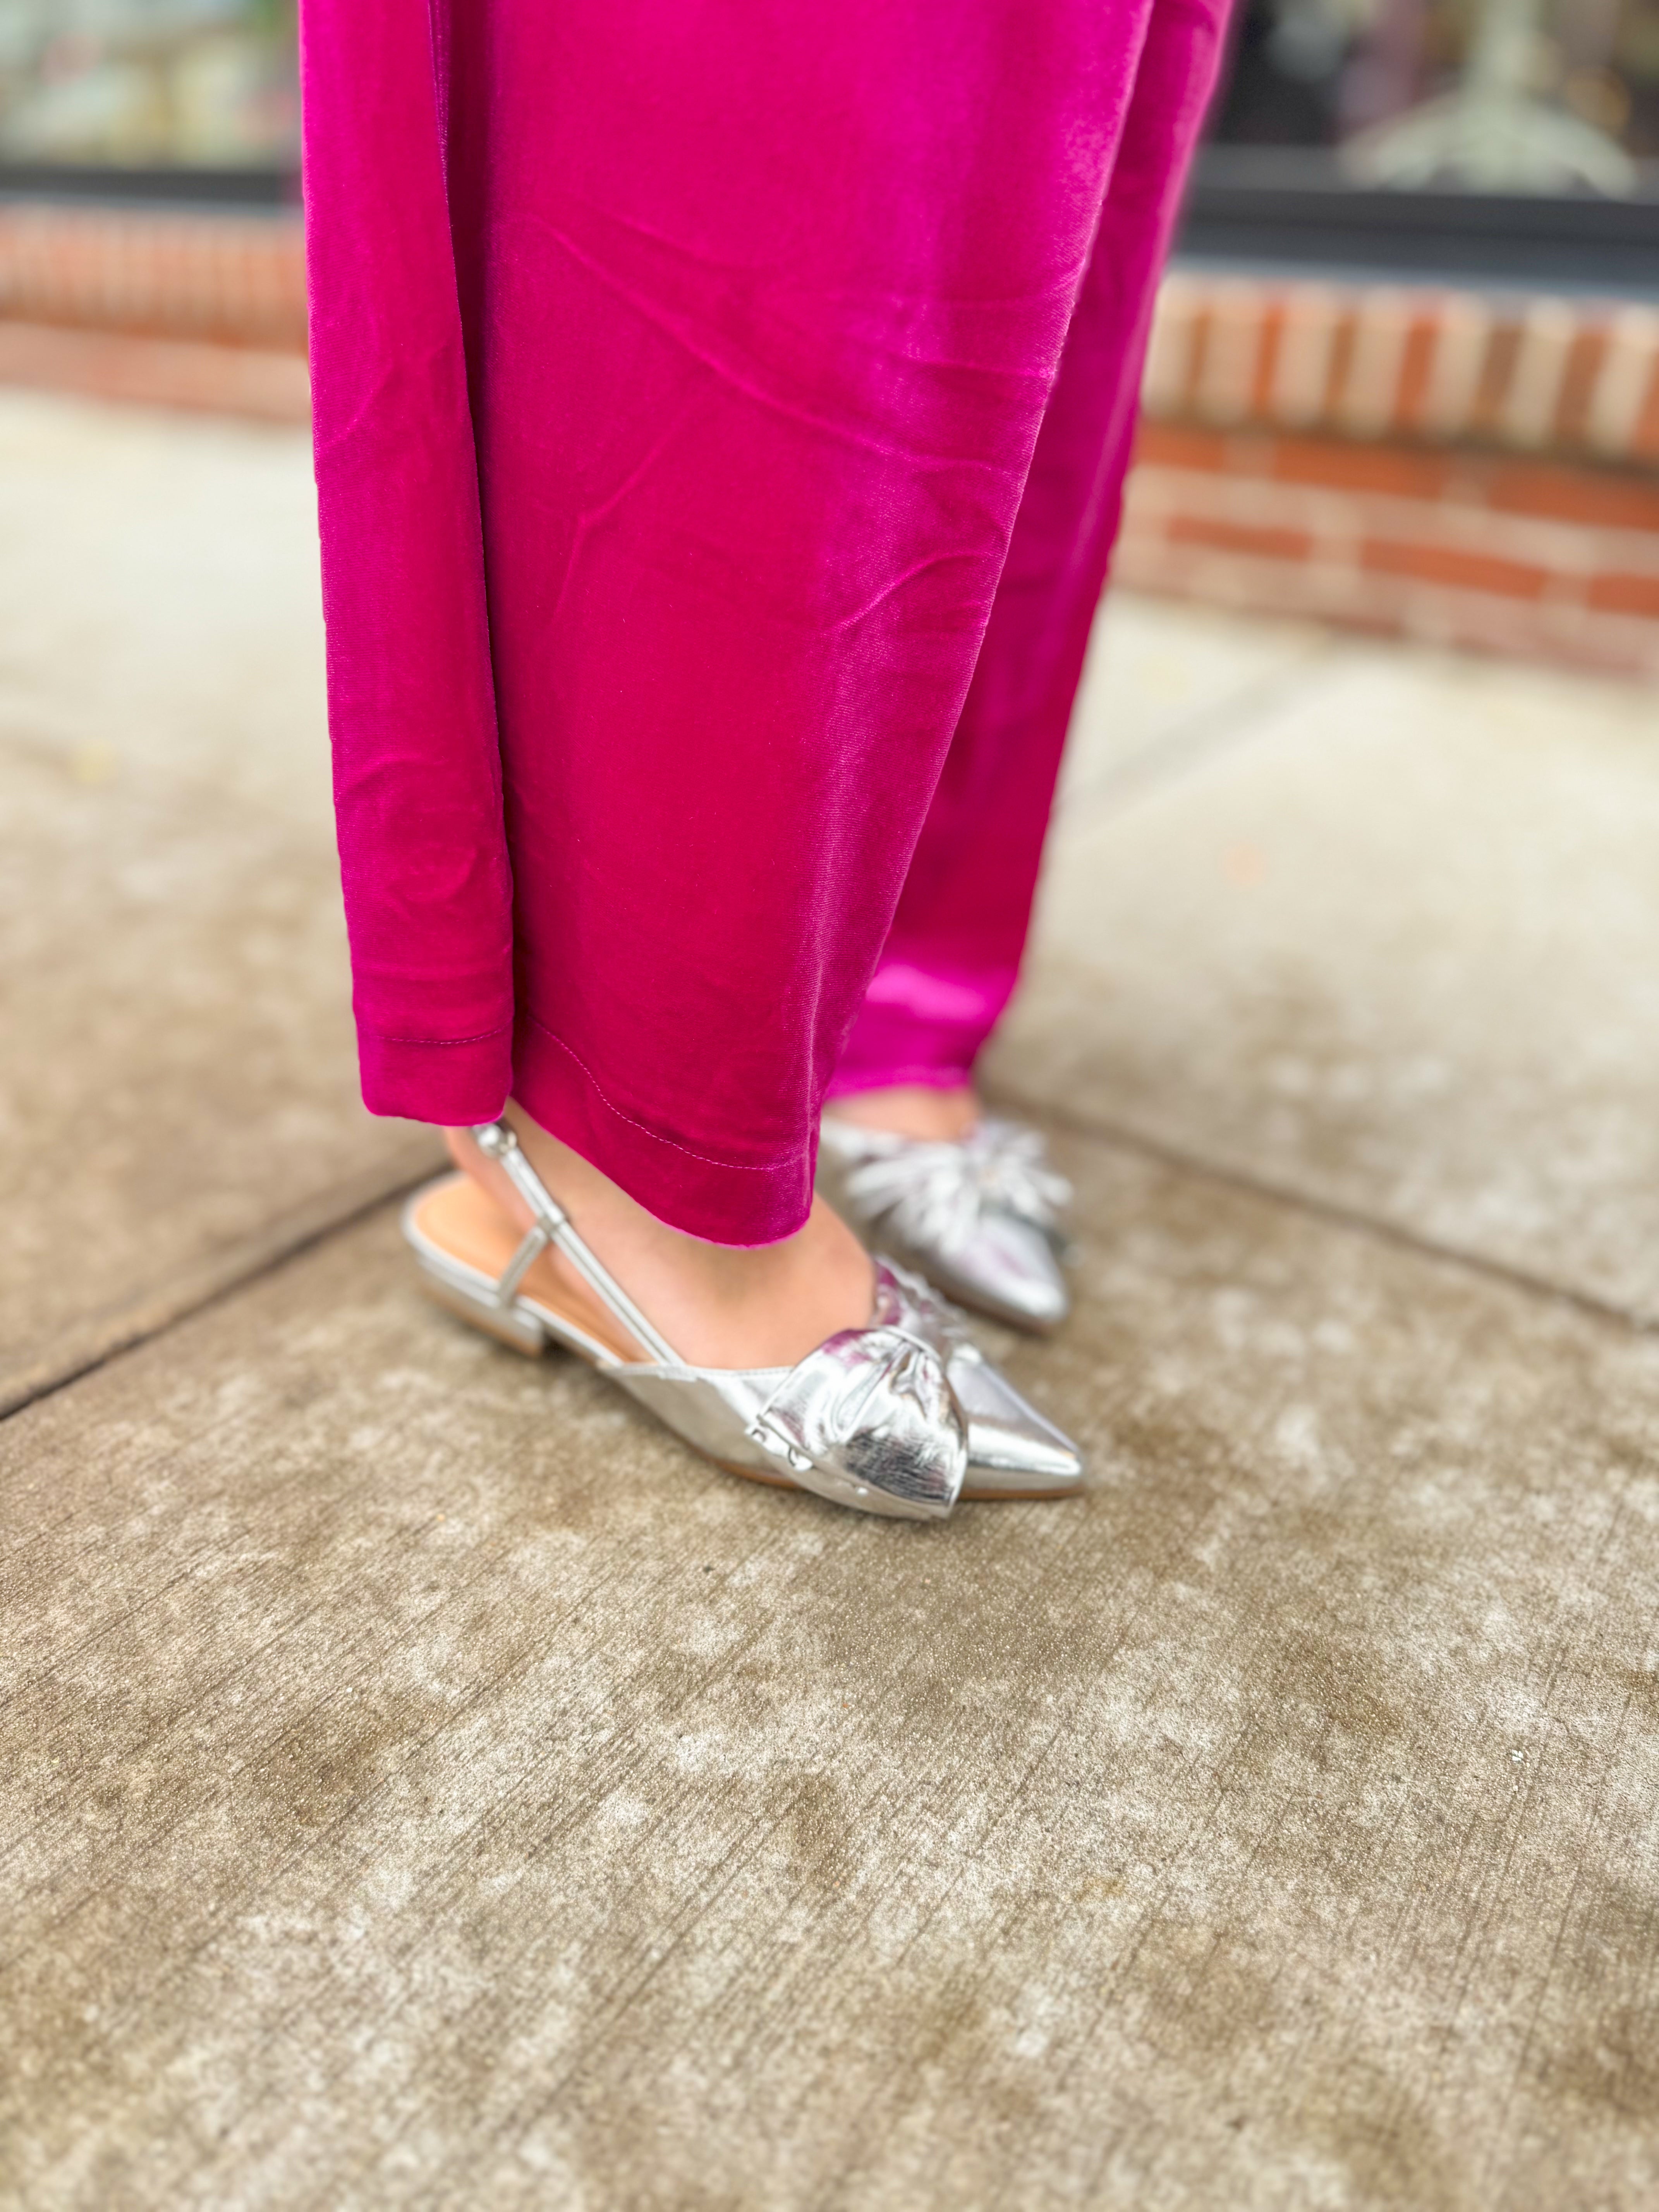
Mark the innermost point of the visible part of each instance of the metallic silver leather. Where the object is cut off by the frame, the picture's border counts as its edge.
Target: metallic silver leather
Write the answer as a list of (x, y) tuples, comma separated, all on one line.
[(981, 1216), (868, 1420), (713, 1415), (1012, 1449)]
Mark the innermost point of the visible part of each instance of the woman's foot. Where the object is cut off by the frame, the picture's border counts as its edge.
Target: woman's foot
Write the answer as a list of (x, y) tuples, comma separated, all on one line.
[(718, 1305), (968, 1200), (897, 1416), (912, 1109)]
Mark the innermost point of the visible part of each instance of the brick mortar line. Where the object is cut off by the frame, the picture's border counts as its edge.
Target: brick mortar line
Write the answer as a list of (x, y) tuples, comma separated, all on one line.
[(1334, 511), (1475, 446), (1559, 630), (1376, 1228), (1188, 555), (201, 334), (1322, 588), (1328, 516), (1141, 540)]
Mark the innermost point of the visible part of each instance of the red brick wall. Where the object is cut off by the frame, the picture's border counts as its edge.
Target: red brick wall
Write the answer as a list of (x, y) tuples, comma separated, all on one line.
[(1471, 469), (1433, 366), (231, 280), (1462, 468), (157, 307), (1536, 557)]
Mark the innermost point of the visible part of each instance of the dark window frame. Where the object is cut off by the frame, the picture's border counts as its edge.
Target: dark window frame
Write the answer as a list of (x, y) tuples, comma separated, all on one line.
[(172, 184), (1251, 207), (1257, 207)]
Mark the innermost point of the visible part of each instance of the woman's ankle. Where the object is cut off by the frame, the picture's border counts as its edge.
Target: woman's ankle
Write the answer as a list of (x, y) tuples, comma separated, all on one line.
[(718, 1305), (912, 1110)]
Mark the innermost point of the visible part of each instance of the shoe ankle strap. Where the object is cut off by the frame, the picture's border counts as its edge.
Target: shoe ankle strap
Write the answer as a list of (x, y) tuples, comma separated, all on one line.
[(498, 1141)]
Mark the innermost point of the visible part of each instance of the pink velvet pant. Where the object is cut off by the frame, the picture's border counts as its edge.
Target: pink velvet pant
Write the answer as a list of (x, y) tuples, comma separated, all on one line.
[(721, 411)]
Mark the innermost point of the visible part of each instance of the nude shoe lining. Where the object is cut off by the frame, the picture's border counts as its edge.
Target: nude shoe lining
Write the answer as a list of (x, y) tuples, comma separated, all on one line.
[(464, 1222)]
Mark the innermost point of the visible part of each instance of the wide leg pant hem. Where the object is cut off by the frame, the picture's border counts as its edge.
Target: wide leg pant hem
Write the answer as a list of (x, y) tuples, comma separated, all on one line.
[(921, 1024), (455, 1082), (950, 1069), (722, 1201)]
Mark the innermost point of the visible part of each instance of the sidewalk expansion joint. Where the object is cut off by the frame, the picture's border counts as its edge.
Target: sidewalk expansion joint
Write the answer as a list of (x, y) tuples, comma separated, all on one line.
[(1207, 734), (143, 1318), (1377, 1227), (141, 1322)]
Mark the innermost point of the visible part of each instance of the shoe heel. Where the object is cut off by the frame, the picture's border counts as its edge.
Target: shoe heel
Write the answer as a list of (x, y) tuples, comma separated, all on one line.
[(520, 1331)]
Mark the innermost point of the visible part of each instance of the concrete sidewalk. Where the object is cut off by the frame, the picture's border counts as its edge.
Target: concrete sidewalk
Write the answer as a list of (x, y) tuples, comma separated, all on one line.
[(424, 1784)]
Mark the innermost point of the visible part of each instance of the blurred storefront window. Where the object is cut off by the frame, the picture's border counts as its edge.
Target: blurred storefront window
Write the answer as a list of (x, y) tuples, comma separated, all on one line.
[(1404, 372), (1515, 141), (1527, 96), (1530, 96), (1506, 140), (147, 85)]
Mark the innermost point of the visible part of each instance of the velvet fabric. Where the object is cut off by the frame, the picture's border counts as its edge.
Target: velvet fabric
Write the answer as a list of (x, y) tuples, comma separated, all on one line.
[(720, 409)]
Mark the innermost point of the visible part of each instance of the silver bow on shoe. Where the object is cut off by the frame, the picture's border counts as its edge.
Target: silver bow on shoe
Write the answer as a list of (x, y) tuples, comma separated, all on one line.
[(1012, 1451), (979, 1217), (863, 1416)]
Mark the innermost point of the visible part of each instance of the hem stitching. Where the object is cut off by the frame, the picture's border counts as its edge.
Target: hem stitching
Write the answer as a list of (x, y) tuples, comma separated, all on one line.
[(734, 1167), (383, 1037)]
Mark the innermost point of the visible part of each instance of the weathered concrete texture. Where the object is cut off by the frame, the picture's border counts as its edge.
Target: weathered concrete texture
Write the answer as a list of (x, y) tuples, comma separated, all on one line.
[(422, 1783), (429, 1785), (1166, 685), (1392, 942), (177, 1088), (159, 604), (178, 1094)]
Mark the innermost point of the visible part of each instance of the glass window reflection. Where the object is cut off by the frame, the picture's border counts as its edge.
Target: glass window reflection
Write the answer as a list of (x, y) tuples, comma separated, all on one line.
[(148, 83), (1529, 96)]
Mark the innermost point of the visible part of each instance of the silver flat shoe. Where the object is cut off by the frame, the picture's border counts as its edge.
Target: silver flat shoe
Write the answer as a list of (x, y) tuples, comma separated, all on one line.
[(868, 1420), (471, 1264), (979, 1218)]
